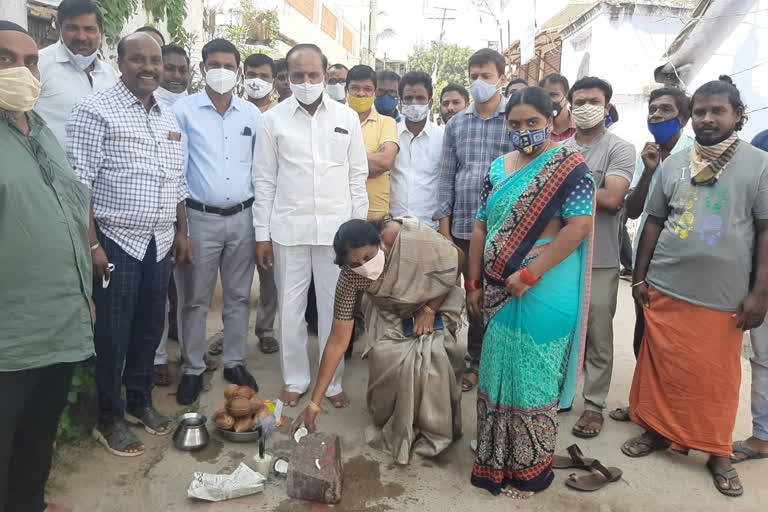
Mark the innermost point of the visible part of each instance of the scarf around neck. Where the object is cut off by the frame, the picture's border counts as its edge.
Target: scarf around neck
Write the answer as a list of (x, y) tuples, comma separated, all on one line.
[(707, 162)]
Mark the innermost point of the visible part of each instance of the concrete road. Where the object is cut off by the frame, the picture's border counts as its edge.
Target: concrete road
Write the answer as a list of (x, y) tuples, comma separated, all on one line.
[(88, 479)]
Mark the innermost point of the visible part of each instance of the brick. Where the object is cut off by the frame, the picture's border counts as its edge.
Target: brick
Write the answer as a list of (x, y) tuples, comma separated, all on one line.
[(307, 482)]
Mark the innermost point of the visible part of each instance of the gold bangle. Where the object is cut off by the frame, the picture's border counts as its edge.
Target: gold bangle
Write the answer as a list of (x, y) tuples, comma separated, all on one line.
[(428, 310), (314, 407)]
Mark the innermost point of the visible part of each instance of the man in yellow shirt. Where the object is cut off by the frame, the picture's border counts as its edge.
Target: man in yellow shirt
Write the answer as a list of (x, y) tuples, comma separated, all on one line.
[(379, 135)]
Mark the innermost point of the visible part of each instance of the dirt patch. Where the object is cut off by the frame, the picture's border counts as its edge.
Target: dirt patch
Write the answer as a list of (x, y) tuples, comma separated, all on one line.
[(210, 453)]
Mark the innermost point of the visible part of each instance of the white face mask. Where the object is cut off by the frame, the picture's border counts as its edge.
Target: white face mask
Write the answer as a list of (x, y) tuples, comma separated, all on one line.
[(166, 97), (372, 268), (81, 62), (336, 91), (307, 93), (257, 88), (19, 89), (588, 116), (415, 113), (221, 80), (482, 91)]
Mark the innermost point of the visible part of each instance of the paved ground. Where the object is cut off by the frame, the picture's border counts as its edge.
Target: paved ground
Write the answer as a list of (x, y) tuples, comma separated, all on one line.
[(88, 479)]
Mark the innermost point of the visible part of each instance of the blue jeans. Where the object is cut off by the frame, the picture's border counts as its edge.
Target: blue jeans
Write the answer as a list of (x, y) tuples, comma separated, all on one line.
[(129, 324), (759, 362)]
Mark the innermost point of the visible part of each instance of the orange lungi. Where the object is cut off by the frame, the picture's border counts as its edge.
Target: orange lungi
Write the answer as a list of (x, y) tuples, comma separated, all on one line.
[(688, 373)]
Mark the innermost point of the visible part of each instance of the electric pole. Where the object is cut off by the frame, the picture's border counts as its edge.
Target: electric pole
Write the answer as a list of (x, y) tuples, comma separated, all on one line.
[(372, 33), (440, 40)]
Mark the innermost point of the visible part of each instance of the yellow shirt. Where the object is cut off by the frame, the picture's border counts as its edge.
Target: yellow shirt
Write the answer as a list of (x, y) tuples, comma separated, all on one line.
[(378, 129)]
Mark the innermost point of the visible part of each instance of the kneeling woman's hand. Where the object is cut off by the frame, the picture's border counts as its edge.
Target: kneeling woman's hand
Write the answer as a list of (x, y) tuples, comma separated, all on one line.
[(424, 323), (307, 417)]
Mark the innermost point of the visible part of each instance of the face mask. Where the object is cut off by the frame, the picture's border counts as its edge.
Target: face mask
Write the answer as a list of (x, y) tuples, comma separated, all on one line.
[(556, 109), (372, 268), (166, 97), (528, 141), (81, 62), (19, 89), (335, 91), (415, 113), (360, 104), (221, 80), (483, 92), (307, 93), (257, 88), (588, 116), (664, 130), (385, 104)]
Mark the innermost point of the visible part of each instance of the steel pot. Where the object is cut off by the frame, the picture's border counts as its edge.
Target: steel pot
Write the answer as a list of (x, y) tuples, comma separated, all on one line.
[(191, 434)]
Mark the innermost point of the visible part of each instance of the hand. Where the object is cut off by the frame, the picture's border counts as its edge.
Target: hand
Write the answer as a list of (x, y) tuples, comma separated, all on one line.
[(93, 313), (307, 417), (640, 294), (475, 303), (651, 156), (263, 254), (181, 250), (100, 263), (447, 234), (515, 285), (424, 323), (751, 312)]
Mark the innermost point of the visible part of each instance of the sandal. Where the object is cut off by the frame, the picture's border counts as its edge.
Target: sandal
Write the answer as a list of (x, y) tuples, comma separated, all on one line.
[(160, 375), (211, 364), (576, 459), (154, 422), (741, 447), (467, 384), (599, 476), (118, 439), (585, 421), (217, 346), (727, 475), (291, 398), (653, 444), (268, 345), (620, 414)]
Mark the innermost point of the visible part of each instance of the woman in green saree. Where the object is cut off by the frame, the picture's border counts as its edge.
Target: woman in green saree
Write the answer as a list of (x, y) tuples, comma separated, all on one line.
[(531, 247)]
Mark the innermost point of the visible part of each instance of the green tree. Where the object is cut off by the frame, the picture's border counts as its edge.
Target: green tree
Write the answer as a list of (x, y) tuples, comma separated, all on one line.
[(452, 66)]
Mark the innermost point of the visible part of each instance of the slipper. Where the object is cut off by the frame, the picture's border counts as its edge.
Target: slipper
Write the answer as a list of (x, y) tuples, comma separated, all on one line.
[(466, 384), (741, 447), (596, 480), (118, 439), (620, 414), (727, 475), (160, 375), (576, 459), (644, 439), (598, 420)]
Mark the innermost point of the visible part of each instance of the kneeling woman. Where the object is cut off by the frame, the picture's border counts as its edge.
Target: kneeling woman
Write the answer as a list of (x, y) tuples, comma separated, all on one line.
[(412, 307), (531, 244)]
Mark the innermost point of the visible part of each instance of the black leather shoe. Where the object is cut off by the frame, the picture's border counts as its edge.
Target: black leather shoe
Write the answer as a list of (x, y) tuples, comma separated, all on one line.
[(189, 389), (240, 376)]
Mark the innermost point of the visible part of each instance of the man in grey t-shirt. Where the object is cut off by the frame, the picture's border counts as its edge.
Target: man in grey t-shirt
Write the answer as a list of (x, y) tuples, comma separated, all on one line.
[(612, 162)]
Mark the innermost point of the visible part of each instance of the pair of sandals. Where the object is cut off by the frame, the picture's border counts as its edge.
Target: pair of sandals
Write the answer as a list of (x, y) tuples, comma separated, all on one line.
[(598, 477), (267, 345)]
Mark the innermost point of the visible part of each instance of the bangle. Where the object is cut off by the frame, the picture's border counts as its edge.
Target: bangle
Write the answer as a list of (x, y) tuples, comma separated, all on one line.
[(314, 407), (428, 310), (638, 283), (472, 285), (527, 277), (94, 246)]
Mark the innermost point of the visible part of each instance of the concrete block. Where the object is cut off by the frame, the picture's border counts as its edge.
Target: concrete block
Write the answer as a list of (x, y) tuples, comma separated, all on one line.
[(315, 471)]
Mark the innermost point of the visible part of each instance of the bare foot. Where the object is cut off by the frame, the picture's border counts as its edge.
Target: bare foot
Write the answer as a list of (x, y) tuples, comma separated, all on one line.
[(516, 494), (339, 401), (752, 445), (52, 507), (290, 398)]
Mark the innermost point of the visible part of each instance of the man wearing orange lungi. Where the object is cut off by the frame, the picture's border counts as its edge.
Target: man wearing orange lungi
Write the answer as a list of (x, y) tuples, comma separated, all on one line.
[(700, 287)]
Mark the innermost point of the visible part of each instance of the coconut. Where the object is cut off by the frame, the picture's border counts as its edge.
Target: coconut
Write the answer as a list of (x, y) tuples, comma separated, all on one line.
[(239, 407), (225, 421), (256, 403), (230, 390), (244, 424), (244, 391)]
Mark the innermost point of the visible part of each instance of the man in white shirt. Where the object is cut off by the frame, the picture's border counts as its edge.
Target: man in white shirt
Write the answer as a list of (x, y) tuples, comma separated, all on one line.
[(70, 69), (308, 179), (415, 175)]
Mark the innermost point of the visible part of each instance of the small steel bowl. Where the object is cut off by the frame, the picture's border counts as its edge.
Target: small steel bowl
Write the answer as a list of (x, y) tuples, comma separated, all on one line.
[(191, 434), (251, 436)]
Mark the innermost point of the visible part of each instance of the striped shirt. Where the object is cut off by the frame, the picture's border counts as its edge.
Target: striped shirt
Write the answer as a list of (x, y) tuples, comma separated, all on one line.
[(127, 157), (470, 145)]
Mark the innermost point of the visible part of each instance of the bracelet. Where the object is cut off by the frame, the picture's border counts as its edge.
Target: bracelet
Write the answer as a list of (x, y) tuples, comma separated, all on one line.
[(314, 407), (428, 310), (472, 285), (527, 277), (638, 283), (94, 246)]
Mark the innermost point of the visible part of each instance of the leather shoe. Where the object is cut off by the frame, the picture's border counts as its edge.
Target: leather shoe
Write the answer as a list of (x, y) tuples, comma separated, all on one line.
[(240, 376), (189, 389)]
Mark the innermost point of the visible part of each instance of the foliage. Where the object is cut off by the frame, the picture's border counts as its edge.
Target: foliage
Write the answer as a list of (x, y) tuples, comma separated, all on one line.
[(262, 25), (117, 12), (79, 414), (452, 66)]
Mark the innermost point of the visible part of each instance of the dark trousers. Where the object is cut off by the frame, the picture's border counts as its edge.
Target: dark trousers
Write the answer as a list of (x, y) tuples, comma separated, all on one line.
[(639, 328), (310, 315), (475, 336), (625, 244), (31, 402), (129, 323)]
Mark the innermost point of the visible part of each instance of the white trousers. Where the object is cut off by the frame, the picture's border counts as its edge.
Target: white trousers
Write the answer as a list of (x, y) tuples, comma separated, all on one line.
[(294, 268)]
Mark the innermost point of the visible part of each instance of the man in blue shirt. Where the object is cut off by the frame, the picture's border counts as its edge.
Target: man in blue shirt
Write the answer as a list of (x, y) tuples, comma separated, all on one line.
[(219, 130)]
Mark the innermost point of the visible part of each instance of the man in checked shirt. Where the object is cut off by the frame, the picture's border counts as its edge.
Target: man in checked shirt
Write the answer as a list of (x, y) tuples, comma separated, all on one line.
[(128, 150)]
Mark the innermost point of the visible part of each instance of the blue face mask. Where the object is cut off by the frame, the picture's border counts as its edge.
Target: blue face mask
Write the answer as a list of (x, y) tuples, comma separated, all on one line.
[(385, 104), (664, 130), (527, 141)]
